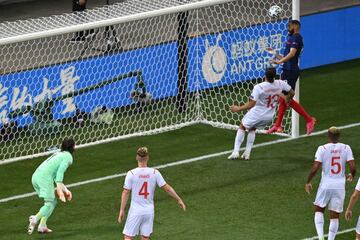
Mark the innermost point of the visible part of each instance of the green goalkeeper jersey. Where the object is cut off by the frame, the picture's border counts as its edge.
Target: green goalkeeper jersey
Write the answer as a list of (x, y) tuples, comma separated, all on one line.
[(54, 167)]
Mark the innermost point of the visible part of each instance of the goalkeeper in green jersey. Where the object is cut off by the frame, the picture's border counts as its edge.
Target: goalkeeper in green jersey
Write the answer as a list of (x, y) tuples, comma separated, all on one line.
[(47, 175)]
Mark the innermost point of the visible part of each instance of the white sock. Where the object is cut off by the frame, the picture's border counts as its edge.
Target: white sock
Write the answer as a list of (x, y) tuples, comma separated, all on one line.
[(250, 142), (333, 228), (240, 135), (319, 224)]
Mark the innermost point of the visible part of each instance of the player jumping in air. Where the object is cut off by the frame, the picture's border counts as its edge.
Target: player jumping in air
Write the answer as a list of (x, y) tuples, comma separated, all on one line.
[(51, 171), (332, 157), (142, 182), (348, 213), (262, 105), (290, 73)]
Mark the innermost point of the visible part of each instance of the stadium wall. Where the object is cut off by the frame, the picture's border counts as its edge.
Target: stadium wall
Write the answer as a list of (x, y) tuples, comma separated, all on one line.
[(331, 37)]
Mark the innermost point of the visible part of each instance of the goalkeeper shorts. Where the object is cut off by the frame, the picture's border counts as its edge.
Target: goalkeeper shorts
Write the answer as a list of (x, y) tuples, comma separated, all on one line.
[(44, 187)]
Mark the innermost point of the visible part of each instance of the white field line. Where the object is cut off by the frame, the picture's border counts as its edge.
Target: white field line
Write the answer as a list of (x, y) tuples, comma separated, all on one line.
[(190, 160), (338, 233)]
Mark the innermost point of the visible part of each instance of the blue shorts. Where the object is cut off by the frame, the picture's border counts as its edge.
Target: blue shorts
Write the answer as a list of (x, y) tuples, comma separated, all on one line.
[(291, 76)]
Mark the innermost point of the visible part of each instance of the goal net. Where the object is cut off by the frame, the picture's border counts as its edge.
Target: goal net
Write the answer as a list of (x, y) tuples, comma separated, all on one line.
[(135, 68)]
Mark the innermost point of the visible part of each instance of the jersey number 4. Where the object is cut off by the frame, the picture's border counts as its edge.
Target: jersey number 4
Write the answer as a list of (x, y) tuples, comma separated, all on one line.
[(335, 165), (144, 190)]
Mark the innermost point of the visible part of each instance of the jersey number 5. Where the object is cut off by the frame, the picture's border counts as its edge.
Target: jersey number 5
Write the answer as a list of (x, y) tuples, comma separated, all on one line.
[(335, 164), (144, 190)]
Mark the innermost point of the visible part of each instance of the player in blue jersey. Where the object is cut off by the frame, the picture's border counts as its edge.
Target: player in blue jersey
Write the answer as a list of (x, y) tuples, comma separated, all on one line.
[(290, 72)]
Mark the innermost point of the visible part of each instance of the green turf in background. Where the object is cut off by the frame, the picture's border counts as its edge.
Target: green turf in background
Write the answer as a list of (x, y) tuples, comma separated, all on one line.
[(260, 199)]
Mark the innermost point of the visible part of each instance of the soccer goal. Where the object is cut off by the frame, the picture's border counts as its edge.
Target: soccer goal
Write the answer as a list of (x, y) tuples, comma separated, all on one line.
[(136, 68)]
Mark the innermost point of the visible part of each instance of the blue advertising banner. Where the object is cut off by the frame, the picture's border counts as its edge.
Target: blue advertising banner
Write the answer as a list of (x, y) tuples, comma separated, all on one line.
[(158, 65), (331, 37), (234, 56)]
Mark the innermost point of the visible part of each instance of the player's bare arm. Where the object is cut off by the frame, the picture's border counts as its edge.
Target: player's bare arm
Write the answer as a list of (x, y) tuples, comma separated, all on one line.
[(316, 166), (289, 56), (353, 200), (167, 188), (124, 198), (352, 173), (246, 106)]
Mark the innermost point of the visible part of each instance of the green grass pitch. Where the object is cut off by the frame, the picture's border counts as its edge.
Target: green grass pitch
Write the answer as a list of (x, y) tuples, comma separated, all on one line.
[(259, 199)]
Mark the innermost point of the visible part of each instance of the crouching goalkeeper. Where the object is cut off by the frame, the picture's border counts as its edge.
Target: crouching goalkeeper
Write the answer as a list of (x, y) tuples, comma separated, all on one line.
[(49, 173)]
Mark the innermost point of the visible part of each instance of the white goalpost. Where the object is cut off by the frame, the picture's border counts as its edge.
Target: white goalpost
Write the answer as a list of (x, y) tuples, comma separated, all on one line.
[(136, 68), (294, 115)]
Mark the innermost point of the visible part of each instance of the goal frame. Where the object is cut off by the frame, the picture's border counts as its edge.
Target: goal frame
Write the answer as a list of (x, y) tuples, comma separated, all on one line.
[(131, 18)]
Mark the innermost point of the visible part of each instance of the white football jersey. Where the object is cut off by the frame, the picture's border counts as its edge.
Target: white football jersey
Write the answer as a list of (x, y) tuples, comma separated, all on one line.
[(142, 183), (333, 157), (358, 185), (267, 97)]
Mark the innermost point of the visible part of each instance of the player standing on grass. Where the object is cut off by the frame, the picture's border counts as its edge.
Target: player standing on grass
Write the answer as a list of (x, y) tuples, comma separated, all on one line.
[(348, 213), (290, 73), (332, 157), (51, 171), (262, 105), (142, 182)]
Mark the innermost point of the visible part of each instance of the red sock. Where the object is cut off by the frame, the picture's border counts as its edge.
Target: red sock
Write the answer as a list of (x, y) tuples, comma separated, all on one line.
[(281, 112), (300, 110)]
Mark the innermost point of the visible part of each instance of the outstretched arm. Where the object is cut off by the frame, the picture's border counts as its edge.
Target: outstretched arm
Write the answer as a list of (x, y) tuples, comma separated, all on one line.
[(124, 198), (167, 188), (313, 171), (250, 104)]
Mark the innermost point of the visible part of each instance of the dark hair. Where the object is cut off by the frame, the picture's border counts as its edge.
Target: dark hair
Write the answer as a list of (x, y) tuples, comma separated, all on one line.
[(334, 134), (295, 22), (270, 74), (68, 144)]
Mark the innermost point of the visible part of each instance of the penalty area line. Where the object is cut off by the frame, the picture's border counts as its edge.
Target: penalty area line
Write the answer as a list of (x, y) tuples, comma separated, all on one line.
[(338, 233)]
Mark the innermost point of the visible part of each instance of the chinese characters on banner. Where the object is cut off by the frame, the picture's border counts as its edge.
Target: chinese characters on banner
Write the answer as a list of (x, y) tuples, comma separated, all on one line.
[(19, 97), (249, 55)]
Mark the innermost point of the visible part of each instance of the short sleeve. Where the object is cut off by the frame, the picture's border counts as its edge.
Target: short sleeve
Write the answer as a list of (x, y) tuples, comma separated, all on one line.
[(349, 154), (295, 42), (159, 179), (357, 188), (285, 86), (255, 93), (128, 182), (318, 154)]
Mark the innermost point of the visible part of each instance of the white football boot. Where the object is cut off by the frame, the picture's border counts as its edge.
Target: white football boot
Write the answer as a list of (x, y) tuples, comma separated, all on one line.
[(245, 156), (233, 156), (32, 224), (44, 229)]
